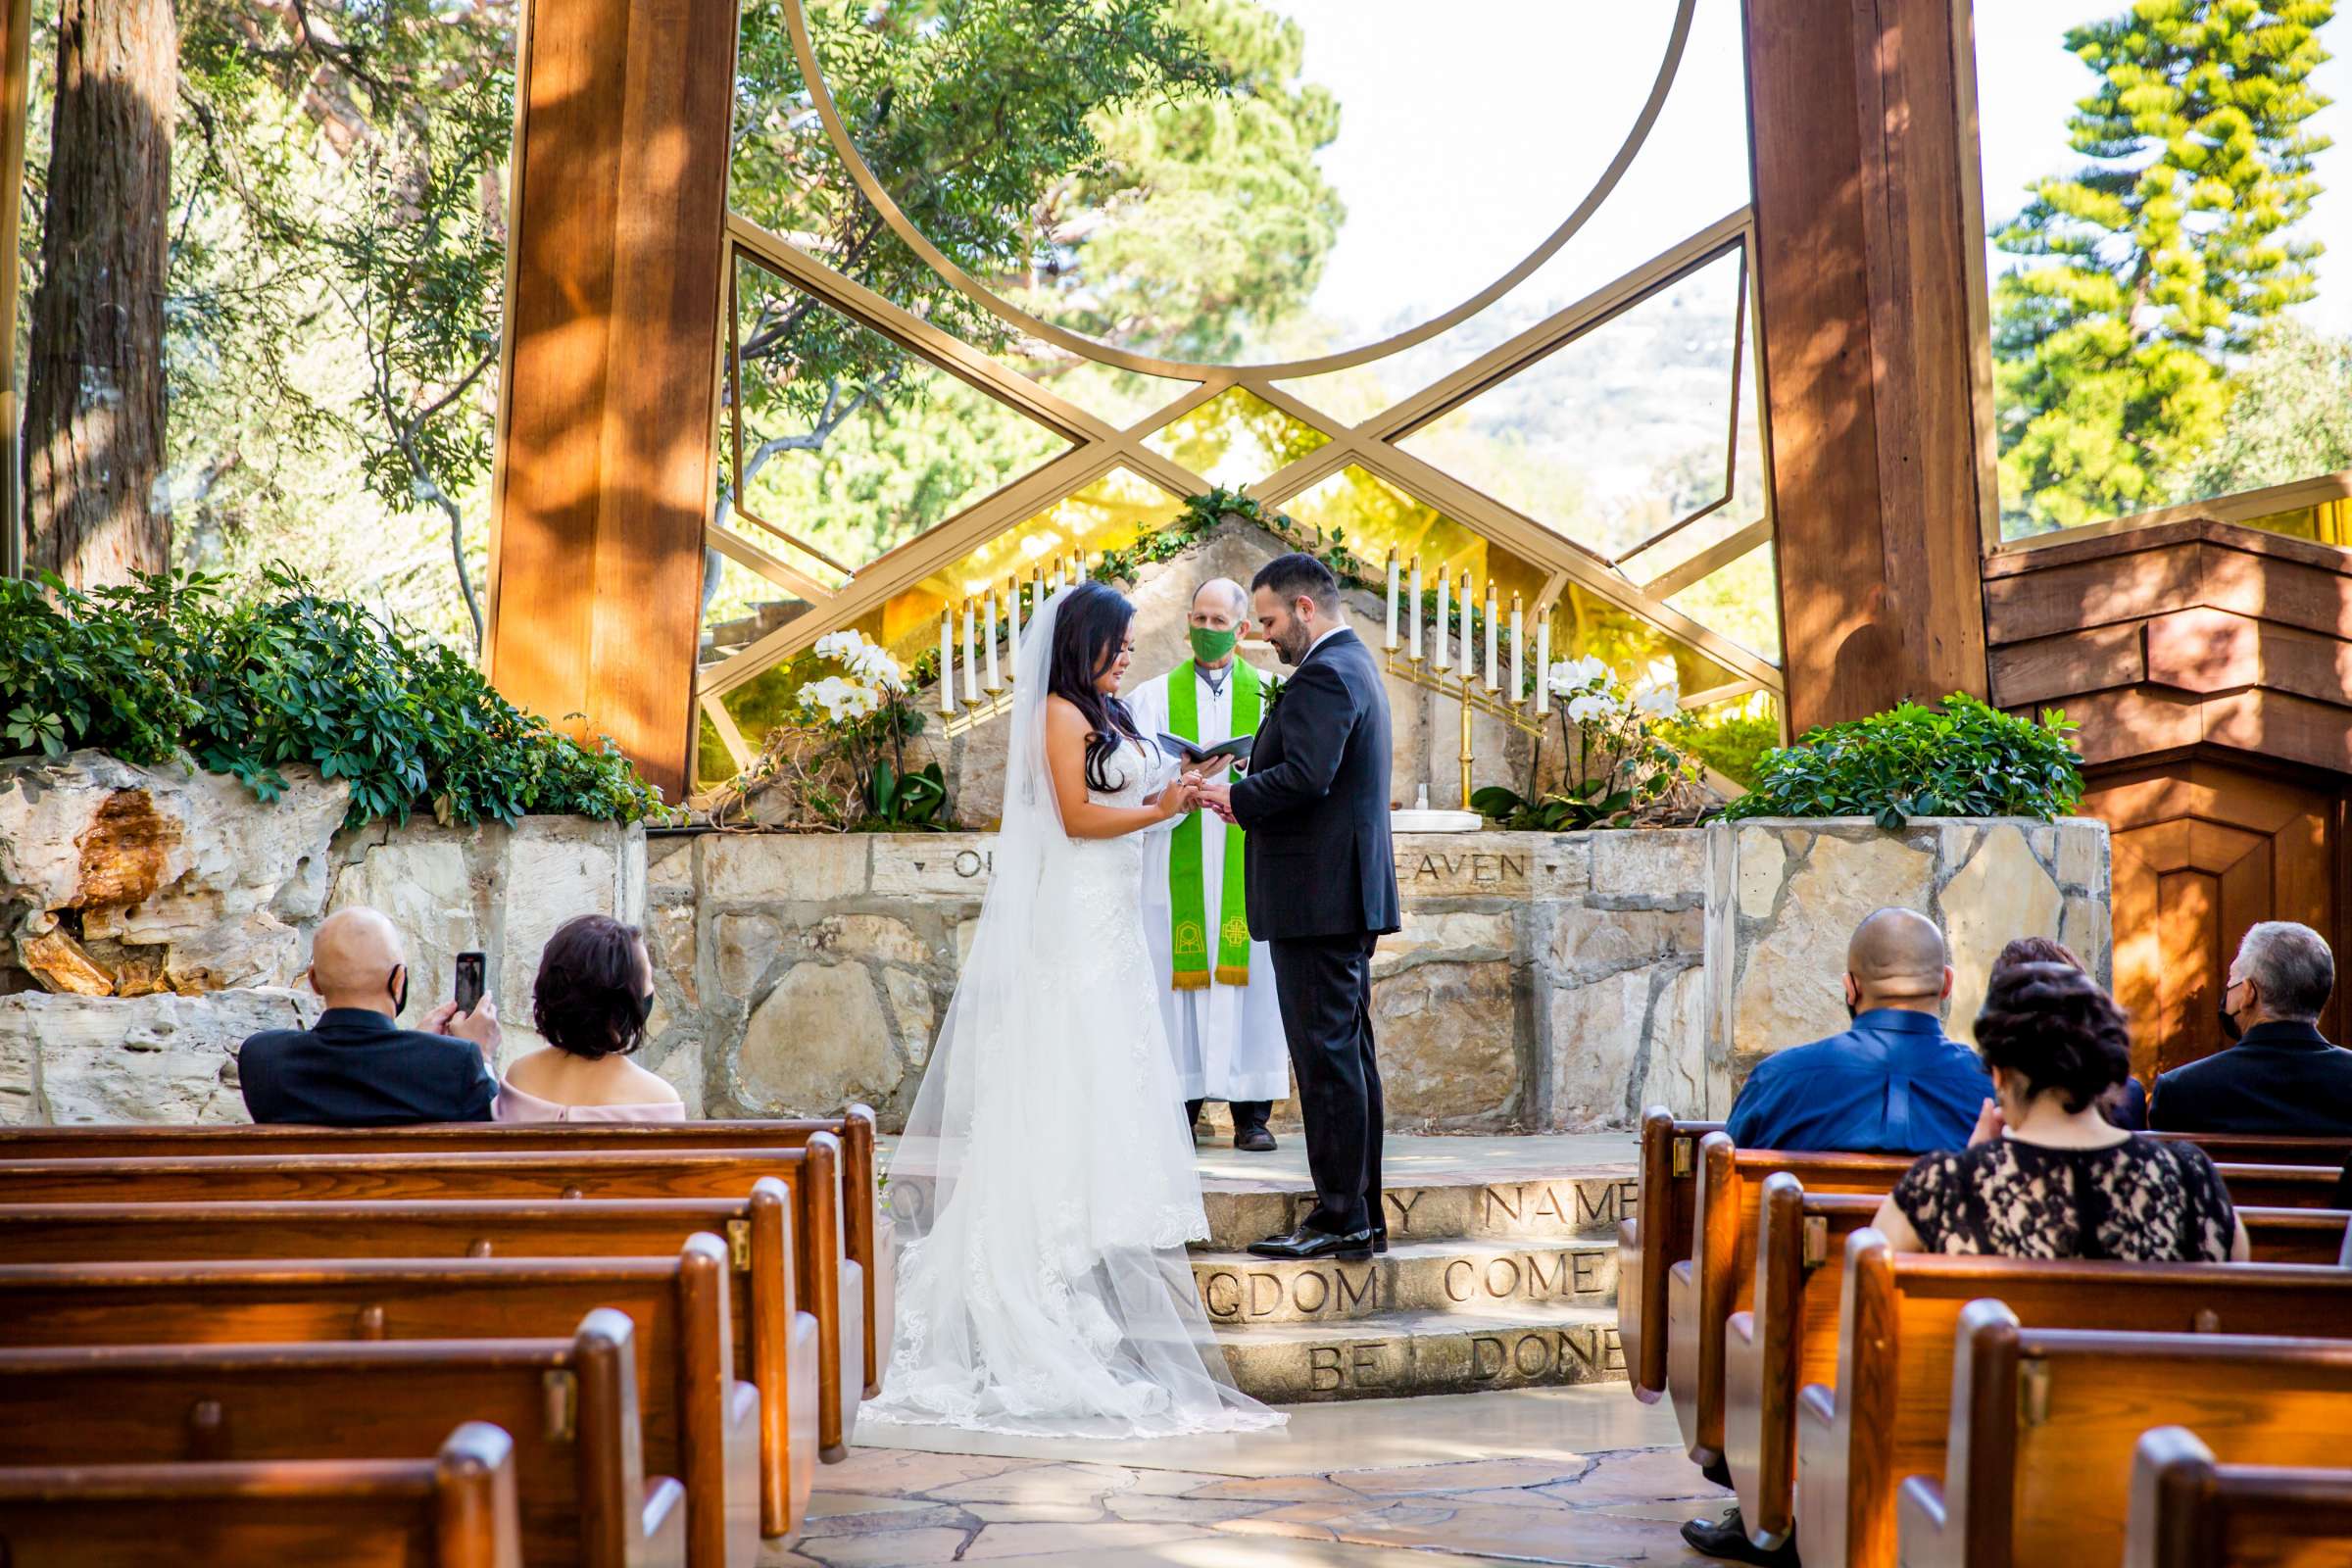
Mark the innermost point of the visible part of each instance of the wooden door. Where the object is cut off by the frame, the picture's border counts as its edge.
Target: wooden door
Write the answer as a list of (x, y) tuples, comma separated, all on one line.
[(2203, 849)]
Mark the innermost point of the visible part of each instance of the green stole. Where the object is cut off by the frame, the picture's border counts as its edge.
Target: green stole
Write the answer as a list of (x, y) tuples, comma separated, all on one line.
[(1188, 891)]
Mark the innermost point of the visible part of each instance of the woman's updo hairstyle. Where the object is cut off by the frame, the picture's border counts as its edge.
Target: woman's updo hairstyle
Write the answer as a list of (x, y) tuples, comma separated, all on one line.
[(585, 999), (2051, 1025)]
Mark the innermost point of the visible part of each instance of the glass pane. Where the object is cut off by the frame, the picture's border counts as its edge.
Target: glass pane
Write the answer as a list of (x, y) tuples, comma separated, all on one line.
[(1372, 517), (1732, 737), (1614, 435), (1234, 437), (1689, 490), (1741, 600), (1583, 623), (852, 444), (740, 605), (1238, 186)]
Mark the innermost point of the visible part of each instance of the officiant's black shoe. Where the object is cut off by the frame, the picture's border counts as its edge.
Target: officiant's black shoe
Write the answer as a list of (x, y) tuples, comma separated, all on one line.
[(1380, 1240), (1306, 1242), (1253, 1141)]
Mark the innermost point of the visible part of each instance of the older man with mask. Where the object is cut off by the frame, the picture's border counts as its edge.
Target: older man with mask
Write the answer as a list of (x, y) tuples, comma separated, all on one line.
[(357, 1067), (2279, 1076), (1217, 995)]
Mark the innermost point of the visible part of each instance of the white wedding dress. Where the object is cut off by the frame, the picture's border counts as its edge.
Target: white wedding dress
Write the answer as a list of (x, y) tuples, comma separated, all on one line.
[(1045, 1185)]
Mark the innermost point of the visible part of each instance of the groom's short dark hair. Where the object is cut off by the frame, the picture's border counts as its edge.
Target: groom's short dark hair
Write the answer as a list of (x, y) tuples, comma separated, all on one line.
[(1299, 575)]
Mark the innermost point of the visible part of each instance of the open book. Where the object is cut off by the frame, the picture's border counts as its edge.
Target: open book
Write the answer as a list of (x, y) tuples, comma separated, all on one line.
[(1194, 753)]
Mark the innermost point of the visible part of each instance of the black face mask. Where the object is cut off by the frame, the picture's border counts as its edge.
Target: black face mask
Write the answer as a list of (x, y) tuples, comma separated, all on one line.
[(399, 998), (645, 1009), (2230, 1027)]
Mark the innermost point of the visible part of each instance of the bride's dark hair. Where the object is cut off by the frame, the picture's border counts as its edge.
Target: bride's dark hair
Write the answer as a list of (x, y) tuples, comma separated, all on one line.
[(1092, 623)]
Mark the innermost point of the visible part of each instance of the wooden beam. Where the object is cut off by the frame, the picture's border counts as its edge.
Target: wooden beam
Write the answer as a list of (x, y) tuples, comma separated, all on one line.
[(1858, 142), (604, 456), (15, 36)]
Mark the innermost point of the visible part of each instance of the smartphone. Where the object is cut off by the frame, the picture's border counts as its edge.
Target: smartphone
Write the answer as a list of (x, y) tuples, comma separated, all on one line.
[(470, 980)]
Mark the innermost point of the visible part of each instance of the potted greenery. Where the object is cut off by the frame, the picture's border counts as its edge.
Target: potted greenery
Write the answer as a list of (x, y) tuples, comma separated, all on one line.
[(1965, 759)]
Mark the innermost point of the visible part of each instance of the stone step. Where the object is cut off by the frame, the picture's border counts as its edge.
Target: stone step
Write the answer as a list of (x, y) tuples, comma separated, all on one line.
[(1426, 1352), (1564, 1207), (1434, 1275)]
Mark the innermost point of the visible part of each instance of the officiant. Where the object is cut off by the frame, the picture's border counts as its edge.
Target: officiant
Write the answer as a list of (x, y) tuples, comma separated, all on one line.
[(1224, 1022)]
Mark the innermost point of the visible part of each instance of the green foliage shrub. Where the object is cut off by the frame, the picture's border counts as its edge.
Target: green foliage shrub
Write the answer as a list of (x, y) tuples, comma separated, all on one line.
[(172, 663), (1968, 759)]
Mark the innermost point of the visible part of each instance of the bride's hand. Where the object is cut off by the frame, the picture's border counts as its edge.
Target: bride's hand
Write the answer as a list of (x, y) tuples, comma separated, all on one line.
[(1179, 797)]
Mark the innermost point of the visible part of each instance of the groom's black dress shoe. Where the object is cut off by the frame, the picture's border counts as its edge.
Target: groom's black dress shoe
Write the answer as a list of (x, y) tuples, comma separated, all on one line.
[(1253, 1141), (1307, 1241)]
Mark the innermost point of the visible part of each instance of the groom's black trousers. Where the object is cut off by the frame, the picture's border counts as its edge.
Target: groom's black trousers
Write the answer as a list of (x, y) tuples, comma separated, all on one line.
[(1325, 986)]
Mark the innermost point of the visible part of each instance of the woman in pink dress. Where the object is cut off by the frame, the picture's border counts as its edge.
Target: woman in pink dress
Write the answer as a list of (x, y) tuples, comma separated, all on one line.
[(593, 996)]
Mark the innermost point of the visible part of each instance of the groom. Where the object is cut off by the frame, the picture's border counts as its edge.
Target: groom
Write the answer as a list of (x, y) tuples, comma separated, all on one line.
[(1322, 888)]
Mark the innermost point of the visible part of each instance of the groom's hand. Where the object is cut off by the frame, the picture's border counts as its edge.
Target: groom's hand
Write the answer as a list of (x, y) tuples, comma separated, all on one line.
[(1218, 798)]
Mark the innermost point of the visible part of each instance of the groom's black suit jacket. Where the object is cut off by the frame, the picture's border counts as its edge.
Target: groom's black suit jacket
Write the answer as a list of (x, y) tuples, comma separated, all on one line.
[(1315, 802)]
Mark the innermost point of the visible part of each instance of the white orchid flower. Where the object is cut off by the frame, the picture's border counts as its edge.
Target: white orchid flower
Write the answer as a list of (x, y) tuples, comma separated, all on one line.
[(1593, 707), (1659, 701)]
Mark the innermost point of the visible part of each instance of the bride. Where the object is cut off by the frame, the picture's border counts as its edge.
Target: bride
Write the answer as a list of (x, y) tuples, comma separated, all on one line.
[(1045, 1186)]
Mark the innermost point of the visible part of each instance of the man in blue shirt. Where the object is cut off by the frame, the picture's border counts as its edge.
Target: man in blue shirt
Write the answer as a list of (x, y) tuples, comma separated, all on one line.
[(357, 1067), (1892, 1084)]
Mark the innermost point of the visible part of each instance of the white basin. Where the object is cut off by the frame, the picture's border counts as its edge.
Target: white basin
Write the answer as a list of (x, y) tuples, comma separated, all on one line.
[(1406, 819)]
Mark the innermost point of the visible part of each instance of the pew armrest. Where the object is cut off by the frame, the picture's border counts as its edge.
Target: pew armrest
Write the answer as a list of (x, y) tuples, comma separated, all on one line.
[(1682, 1351), (741, 1446), (853, 1346), (1635, 1317), (804, 1435), (1921, 1538), (664, 1516), (883, 1307), (1820, 1475)]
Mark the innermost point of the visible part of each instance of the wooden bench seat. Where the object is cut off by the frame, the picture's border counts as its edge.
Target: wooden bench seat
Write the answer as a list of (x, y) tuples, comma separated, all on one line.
[(831, 1287), (773, 1340), (866, 1228), (1704, 1291), (1660, 1233), (1787, 1338), (2189, 1511), (698, 1422), (1889, 1415), (455, 1510), (2044, 1422), (568, 1405)]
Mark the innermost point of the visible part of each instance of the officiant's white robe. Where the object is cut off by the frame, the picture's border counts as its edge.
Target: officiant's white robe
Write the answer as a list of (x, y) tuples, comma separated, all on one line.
[(1227, 1040)]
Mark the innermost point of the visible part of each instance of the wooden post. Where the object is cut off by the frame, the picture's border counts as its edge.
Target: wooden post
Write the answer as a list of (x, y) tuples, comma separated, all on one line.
[(1876, 371), (16, 39), (604, 452)]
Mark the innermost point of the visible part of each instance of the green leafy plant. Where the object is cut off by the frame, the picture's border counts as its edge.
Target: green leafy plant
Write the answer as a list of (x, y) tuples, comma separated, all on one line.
[(171, 664), (1619, 764), (1968, 759), (850, 757)]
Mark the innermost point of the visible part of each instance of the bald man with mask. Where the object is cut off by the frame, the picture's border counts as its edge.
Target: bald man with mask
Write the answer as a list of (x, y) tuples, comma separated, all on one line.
[(357, 1067), (1894, 1083)]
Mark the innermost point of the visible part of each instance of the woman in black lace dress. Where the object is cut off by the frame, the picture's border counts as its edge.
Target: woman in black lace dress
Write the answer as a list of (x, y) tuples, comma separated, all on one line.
[(2046, 1175)]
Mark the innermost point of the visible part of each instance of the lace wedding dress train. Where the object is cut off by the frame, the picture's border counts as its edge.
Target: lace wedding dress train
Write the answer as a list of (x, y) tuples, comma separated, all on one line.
[(1046, 1186)]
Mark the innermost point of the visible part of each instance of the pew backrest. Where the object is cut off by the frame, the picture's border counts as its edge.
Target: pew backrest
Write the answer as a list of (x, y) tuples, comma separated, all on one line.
[(569, 1407), (2188, 1510), (698, 1423), (455, 1510), (2043, 1423)]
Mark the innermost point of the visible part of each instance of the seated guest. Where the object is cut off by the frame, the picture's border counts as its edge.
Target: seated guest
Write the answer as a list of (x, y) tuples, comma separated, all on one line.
[(2049, 1176), (1892, 1084), (357, 1067), (594, 994), (2125, 1105), (2282, 1077)]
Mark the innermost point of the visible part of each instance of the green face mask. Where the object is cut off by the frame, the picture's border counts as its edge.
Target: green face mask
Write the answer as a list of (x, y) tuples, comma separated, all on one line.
[(1211, 646)]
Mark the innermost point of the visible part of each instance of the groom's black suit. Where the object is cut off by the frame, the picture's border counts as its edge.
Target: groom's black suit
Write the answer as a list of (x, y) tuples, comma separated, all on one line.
[(1322, 885)]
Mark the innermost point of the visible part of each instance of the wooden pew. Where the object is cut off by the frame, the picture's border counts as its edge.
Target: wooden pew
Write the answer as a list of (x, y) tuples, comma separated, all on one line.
[(830, 1285), (1703, 1291), (699, 1424), (1660, 1233), (1888, 1416), (454, 1510), (1788, 1337), (2189, 1511), (568, 1405), (775, 1341), (2045, 1421), (865, 1229)]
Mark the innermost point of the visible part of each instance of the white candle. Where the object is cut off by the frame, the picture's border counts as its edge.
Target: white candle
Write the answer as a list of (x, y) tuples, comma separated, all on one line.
[(1444, 585), (947, 660), (1518, 673), (1392, 642), (1493, 669), (1420, 649), (971, 665), (1543, 662), (1078, 574), (990, 601), (1012, 602)]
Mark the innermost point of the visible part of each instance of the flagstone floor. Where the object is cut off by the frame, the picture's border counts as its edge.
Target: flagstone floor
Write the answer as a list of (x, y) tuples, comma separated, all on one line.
[(1555, 1476)]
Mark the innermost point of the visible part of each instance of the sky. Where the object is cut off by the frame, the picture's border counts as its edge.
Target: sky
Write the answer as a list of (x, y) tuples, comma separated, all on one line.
[(1456, 156)]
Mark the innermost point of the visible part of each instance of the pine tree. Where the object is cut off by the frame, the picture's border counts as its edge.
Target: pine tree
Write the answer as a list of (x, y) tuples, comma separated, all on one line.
[(2162, 259)]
